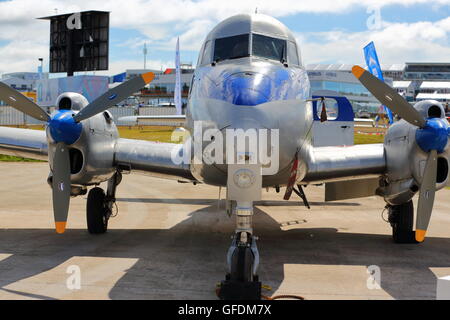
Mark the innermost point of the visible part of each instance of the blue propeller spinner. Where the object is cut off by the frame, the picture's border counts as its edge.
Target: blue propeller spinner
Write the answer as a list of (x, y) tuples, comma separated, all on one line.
[(434, 136), (63, 127)]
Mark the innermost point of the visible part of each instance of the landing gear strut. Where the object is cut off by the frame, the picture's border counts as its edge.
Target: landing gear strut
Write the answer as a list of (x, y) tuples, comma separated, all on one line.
[(401, 218), (241, 282), (99, 205)]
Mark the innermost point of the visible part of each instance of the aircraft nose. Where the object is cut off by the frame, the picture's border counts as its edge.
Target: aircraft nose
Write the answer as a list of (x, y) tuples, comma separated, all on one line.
[(247, 89)]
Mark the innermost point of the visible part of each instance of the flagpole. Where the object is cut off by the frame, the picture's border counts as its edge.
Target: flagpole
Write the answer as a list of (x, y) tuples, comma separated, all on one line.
[(177, 97)]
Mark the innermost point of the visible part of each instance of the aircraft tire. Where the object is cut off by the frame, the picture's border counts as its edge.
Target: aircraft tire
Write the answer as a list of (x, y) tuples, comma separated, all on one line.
[(96, 211), (401, 218), (242, 265)]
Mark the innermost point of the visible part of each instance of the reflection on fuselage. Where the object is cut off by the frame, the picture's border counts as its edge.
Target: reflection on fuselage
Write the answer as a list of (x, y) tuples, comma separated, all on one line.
[(251, 93)]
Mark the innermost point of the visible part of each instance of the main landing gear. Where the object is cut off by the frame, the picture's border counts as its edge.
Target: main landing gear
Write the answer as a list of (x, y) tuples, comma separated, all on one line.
[(99, 206), (241, 281), (401, 218)]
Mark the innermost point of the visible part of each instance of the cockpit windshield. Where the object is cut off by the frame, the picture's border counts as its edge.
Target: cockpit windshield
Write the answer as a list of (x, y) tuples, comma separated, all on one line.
[(231, 47), (238, 47), (269, 48)]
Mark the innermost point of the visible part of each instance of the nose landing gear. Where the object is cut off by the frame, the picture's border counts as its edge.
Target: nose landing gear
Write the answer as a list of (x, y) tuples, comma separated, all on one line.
[(242, 282)]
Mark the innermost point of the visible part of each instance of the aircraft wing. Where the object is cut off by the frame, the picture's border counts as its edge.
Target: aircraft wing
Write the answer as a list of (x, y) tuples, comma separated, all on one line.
[(175, 120), (348, 172), (23, 143), (352, 162), (152, 158), (363, 122)]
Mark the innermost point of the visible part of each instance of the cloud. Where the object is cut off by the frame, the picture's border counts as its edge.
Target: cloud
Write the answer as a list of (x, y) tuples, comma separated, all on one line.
[(21, 55), (395, 42)]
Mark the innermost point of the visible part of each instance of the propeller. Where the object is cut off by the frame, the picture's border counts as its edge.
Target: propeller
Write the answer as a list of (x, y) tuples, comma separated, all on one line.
[(389, 97), (61, 186), (64, 128), (426, 196), (18, 101), (432, 137), (114, 96)]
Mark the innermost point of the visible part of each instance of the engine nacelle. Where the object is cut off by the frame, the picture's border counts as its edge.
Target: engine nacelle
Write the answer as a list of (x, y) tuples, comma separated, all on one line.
[(71, 101), (405, 159), (92, 154)]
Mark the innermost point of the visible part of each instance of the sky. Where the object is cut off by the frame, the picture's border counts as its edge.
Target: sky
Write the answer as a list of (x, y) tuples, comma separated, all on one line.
[(328, 31)]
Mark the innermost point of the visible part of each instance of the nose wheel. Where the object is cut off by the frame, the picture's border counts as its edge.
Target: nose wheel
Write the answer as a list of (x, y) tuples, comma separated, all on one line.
[(96, 211), (99, 205), (401, 218), (241, 283)]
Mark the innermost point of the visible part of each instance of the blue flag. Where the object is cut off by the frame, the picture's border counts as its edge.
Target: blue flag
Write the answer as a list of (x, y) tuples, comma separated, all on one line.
[(120, 77), (370, 54)]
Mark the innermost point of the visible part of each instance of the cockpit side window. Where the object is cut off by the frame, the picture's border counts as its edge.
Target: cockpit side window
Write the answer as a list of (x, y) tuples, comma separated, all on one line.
[(269, 48), (293, 57), (231, 47), (206, 56)]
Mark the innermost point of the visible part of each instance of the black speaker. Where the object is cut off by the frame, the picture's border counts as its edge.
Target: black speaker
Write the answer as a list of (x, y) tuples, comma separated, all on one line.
[(79, 42)]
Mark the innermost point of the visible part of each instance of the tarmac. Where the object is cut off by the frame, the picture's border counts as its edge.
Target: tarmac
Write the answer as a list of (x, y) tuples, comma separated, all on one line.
[(169, 241)]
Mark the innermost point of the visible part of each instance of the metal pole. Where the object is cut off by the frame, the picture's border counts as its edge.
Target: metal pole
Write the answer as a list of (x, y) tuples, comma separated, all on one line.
[(145, 56), (69, 53)]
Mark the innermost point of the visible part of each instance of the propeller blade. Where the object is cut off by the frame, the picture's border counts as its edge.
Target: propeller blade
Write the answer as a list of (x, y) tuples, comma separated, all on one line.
[(61, 186), (426, 196), (389, 97), (18, 101), (114, 96)]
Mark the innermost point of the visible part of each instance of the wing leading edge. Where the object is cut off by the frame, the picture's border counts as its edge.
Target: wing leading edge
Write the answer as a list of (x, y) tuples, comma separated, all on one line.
[(326, 164), (152, 158), (23, 143), (136, 155), (175, 120)]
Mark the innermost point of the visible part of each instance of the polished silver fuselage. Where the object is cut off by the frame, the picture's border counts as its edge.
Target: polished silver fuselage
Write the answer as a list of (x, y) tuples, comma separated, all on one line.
[(286, 109)]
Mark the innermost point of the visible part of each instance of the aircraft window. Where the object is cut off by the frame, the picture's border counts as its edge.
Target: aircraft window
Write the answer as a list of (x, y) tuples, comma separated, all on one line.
[(206, 57), (231, 47), (331, 108), (269, 48), (292, 54)]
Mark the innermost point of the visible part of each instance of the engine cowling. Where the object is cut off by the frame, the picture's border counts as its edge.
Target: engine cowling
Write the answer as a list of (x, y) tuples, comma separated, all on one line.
[(92, 154), (406, 158)]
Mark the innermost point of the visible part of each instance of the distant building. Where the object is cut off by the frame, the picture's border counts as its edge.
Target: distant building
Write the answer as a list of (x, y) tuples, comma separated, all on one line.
[(25, 82), (428, 81), (427, 71), (414, 80), (22, 81), (434, 90), (132, 73), (91, 87), (162, 89), (339, 78)]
